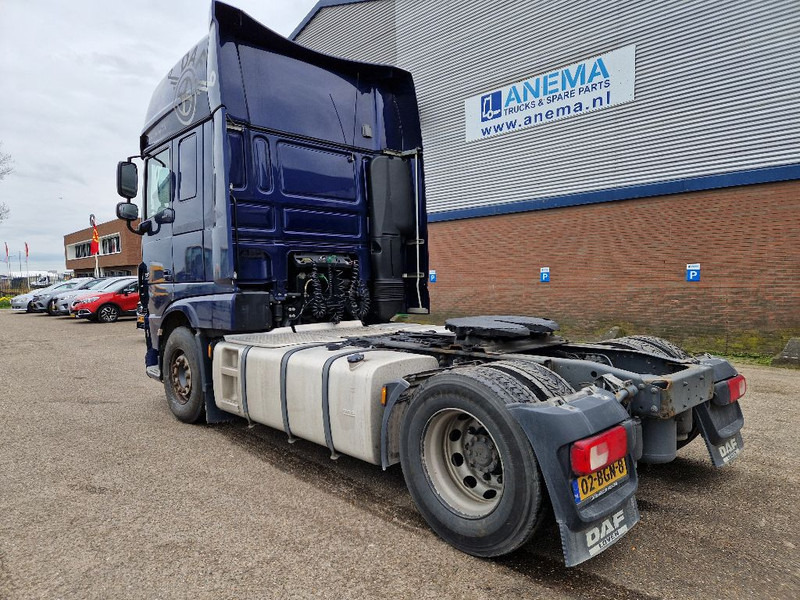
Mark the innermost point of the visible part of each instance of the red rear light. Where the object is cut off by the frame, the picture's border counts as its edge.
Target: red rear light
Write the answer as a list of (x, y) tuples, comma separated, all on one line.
[(593, 453), (737, 386)]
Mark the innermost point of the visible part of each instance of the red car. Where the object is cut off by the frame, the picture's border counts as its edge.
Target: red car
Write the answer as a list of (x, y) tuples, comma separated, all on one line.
[(107, 306)]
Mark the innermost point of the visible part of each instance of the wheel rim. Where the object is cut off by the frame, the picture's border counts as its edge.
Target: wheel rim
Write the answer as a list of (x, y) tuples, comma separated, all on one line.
[(181, 377), (107, 313), (462, 463)]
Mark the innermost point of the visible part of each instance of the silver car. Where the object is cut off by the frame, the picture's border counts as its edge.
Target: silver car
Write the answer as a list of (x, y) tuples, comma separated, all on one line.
[(63, 300), (24, 302), (41, 299)]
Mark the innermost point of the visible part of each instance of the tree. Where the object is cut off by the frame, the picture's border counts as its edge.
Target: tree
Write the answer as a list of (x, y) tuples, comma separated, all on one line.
[(5, 169), (5, 163)]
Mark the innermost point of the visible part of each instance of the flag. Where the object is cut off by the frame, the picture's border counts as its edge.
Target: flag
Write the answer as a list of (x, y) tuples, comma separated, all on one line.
[(94, 248), (26, 250), (6, 243)]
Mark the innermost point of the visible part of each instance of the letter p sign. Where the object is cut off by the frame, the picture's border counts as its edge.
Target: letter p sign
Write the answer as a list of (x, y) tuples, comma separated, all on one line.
[(693, 272), (544, 275)]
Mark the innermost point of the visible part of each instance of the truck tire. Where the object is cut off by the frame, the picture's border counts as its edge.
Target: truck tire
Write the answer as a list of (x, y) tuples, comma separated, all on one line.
[(468, 465), (182, 376), (542, 381), (651, 345)]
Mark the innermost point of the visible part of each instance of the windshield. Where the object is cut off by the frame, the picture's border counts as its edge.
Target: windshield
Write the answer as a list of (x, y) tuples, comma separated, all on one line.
[(67, 285), (119, 285), (85, 283), (99, 284)]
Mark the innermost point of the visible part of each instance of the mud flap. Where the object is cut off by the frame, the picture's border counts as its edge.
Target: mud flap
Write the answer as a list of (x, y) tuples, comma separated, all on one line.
[(592, 526), (721, 428), (583, 544)]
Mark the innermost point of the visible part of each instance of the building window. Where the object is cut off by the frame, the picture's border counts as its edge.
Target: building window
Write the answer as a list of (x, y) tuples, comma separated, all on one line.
[(110, 245), (82, 250)]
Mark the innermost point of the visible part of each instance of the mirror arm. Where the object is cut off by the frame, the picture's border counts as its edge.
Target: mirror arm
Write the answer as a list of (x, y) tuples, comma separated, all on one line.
[(136, 231)]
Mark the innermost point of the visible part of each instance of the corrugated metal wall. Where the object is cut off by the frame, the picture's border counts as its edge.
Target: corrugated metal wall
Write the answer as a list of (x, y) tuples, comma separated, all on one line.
[(362, 31), (716, 88)]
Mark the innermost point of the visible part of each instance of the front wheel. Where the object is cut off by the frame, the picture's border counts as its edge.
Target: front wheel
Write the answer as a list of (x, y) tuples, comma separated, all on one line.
[(108, 313), (182, 376), (468, 465), (52, 309)]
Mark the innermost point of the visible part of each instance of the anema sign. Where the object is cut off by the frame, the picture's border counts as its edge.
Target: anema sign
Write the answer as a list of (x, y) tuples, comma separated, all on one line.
[(582, 87)]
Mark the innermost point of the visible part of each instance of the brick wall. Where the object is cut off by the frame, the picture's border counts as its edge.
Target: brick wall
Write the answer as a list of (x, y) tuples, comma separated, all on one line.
[(130, 245), (624, 263)]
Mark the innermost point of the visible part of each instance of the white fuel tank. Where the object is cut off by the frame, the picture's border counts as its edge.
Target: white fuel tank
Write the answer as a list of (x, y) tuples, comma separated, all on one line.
[(250, 381)]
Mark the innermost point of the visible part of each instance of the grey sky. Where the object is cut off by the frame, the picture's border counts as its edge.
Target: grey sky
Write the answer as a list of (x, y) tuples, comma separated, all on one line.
[(76, 78)]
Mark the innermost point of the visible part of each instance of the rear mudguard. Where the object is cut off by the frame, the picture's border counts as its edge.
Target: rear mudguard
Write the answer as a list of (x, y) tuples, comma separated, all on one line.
[(721, 427), (588, 528), (720, 420)]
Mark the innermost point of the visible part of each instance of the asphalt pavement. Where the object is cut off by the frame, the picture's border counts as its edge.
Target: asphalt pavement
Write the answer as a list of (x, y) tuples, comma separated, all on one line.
[(103, 494)]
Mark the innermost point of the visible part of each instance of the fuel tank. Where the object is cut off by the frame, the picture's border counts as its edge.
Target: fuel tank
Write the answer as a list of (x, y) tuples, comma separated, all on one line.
[(312, 385)]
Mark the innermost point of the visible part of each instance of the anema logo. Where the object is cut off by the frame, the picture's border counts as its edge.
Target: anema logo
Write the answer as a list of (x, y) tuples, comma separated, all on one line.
[(491, 106), (562, 82), (588, 85)]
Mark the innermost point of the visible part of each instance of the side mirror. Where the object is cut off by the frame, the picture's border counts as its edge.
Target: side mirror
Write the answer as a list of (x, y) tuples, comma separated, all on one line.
[(165, 215), (127, 211), (127, 179)]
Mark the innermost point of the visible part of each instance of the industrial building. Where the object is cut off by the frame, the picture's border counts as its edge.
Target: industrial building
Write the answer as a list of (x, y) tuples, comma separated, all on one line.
[(632, 163), (120, 250)]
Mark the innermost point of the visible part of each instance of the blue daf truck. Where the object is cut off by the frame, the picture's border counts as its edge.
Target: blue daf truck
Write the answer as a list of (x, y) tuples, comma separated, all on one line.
[(284, 225)]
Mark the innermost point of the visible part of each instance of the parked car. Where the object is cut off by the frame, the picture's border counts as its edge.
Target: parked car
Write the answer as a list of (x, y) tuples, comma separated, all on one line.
[(63, 300), (41, 298), (50, 297), (24, 302), (106, 306)]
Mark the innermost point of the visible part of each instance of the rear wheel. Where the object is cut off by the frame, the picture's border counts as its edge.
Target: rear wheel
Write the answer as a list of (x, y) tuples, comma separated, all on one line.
[(182, 376), (651, 345), (468, 465), (108, 313)]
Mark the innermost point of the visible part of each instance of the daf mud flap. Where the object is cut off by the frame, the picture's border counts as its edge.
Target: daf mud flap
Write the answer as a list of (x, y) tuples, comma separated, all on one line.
[(590, 525), (721, 427)]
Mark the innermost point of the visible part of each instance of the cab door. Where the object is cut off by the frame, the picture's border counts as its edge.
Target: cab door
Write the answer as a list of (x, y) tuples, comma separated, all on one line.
[(157, 245), (187, 229)]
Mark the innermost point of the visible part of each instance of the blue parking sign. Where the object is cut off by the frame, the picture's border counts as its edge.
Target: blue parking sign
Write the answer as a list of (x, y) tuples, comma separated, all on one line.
[(432, 276), (544, 275), (693, 272)]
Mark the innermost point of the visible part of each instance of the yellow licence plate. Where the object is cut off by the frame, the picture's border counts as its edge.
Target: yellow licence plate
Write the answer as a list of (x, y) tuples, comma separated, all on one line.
[(586, 486)]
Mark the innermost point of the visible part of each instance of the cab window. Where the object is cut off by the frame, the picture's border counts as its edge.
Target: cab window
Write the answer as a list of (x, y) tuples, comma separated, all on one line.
[(159, 183)]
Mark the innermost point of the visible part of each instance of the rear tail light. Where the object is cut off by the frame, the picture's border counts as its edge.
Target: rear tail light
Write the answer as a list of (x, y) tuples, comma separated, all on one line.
[(737, 386), (593, 453)]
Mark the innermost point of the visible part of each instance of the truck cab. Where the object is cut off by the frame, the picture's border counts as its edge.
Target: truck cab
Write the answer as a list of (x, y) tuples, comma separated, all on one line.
[(281, 187)]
